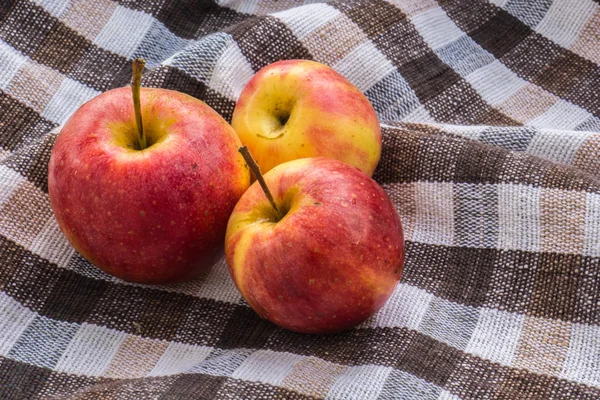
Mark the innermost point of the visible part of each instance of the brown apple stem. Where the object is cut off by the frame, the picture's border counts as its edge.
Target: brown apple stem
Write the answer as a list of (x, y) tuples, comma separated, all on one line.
[(254, 167), (136, 84)]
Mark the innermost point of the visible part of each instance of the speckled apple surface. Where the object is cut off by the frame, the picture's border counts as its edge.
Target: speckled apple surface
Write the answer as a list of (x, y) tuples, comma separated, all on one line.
[(156, 215), (297, 108), (331, 261)]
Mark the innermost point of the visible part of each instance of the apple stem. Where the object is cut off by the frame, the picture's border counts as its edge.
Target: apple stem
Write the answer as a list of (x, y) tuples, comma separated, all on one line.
[(255, 168), (136, 83)]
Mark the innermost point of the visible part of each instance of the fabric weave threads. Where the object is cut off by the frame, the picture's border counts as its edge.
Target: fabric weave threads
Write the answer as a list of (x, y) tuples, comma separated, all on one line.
[(490, 117)]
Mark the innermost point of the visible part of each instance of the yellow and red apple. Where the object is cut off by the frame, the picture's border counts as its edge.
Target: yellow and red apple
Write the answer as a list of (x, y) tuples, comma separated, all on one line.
[(154, 212), (329, 259), (296, 108)]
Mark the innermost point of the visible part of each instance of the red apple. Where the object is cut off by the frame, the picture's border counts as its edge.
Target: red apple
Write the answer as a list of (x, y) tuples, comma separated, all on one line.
[(331, 261), (152, 212), (297, 108)]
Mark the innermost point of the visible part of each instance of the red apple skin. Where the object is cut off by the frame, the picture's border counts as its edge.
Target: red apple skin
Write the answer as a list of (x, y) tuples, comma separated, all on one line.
[(152, 216), (331, 262), (325, 116)]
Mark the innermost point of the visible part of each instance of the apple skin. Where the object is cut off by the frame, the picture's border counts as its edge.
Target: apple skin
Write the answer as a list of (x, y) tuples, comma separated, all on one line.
[(331, 262), (326, 116), (153, 216)]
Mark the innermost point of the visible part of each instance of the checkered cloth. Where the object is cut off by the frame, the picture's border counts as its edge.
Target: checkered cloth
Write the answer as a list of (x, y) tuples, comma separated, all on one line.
[(489, 112)]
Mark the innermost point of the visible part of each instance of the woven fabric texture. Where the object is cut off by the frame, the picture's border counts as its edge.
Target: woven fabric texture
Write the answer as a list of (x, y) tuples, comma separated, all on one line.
[(491, 153)]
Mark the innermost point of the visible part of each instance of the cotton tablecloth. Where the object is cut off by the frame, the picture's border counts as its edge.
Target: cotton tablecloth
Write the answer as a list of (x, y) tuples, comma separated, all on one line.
[(490, 115)]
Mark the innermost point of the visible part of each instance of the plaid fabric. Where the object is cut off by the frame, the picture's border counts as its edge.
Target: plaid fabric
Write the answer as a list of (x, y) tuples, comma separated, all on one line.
[(491, 153)]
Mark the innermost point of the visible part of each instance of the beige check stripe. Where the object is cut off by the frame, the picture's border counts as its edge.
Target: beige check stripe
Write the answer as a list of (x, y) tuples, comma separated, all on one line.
[(491, 153)]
